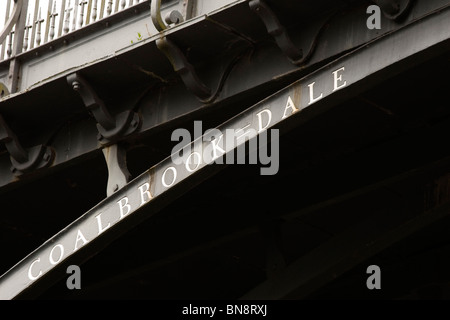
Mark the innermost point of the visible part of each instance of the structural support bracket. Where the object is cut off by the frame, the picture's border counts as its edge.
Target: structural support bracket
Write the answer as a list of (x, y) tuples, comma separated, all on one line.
[(173, 17), (182, 66), (118, 174), (393, 9), (24, 160), (3, 90), (17, 9), (277, 31), (109, 127)]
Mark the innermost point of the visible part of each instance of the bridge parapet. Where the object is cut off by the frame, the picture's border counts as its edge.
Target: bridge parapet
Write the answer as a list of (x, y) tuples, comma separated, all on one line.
[(40, 27)]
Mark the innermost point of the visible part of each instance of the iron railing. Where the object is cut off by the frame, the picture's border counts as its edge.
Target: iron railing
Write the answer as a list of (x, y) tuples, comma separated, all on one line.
[(47, 20)]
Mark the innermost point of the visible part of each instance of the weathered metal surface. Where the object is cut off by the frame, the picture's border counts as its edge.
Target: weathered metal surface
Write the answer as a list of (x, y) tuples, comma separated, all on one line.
[(118, 174), (131, 68), (183, 68), (24, 160), (110, 127), (59, 18), (314, 94), (277, 30), (394, 9)]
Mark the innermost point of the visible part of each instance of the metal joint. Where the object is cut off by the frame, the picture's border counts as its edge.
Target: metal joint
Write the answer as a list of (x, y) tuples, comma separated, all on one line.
[(182, 66), (3, 90), (393, 9), (118, 174), (109, 127), (24, 160), (277, 31), (173, 17), (17, 9)]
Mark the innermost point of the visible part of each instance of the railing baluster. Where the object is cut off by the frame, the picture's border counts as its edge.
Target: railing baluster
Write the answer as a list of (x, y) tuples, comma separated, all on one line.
[(10, 42), (27, 33), (89, 12), (81, 18), (94, 11), (47, 20), (35, 18), (38, 26), (52, 21), (109, 7), (61, 18), (75, 13), (4, 44), (66, 27)]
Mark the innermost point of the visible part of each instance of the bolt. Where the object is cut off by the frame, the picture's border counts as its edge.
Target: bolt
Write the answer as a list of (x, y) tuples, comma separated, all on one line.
[(46, 156), (76, 85)]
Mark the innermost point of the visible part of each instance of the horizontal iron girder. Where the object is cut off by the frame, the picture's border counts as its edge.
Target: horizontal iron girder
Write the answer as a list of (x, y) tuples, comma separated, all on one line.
[(145, 79), (296, 104)]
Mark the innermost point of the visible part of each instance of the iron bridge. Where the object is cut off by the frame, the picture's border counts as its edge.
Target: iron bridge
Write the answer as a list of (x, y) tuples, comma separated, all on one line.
[(350, 95)]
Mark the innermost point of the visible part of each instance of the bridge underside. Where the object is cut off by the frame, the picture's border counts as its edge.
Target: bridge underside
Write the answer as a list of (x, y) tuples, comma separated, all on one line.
[(365, 183), (365, 180)]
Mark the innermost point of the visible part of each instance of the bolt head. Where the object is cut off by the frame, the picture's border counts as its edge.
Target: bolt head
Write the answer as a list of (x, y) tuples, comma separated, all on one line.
[(76, 85), (47, 156)]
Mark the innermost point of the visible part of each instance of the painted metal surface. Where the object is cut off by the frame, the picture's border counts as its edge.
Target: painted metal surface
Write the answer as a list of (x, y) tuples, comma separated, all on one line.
[(316, 93), (150, 81)]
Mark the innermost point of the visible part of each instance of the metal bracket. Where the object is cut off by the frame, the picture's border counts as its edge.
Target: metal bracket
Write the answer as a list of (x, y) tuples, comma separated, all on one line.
[(393, 9), (182, 66), (24, 160), (17, 9), (118, 174), (173, 17), (3, 90), (277, 31), (109, 127)]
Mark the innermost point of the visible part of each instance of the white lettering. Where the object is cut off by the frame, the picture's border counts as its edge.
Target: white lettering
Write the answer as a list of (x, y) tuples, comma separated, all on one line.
[(215, 146), (81, 237), (123, 206), (197, 161), (167, 185), (30, 274), (289, 105), (311, 94), (99, 223), (61, 253), (260, 120), (338, 78), (145, 193)]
